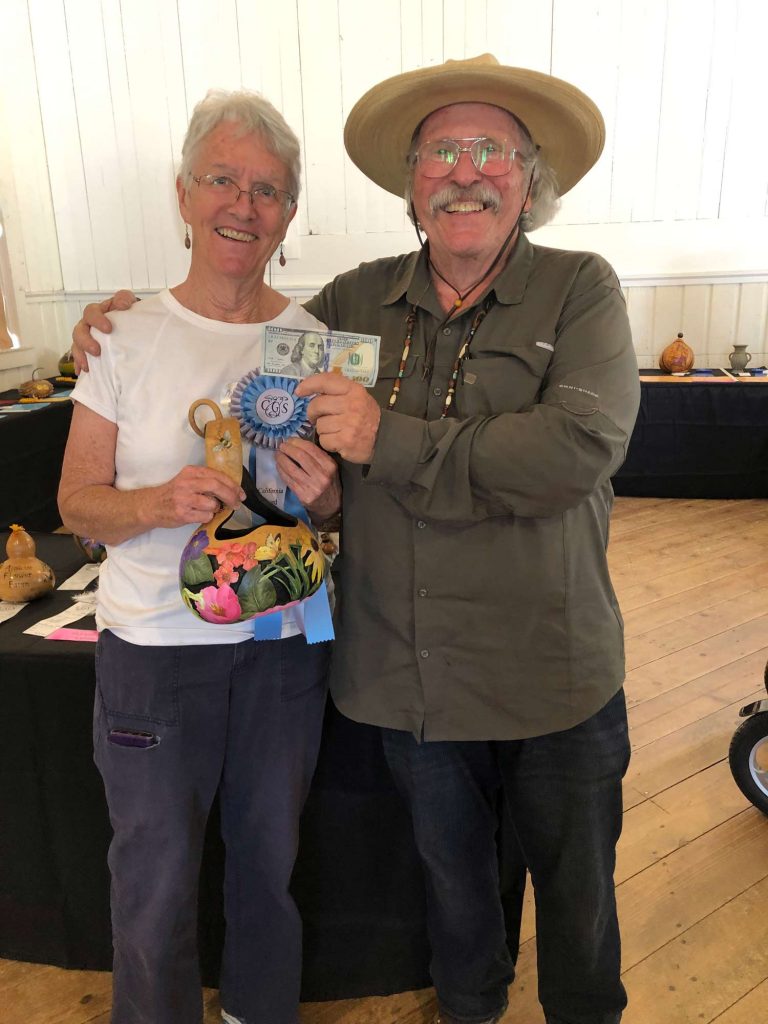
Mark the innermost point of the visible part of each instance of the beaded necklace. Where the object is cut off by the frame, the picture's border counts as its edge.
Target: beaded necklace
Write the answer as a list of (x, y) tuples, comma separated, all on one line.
[(410, 322)]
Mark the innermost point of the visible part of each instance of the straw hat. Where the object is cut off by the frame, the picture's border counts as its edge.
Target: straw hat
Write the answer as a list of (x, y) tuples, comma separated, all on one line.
[(562, 120)]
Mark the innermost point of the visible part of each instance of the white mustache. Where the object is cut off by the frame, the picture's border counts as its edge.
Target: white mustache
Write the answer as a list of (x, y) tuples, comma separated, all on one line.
[(480, 193)]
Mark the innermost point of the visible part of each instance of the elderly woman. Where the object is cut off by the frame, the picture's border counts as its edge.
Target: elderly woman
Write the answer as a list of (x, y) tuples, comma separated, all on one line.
[(186, 707)]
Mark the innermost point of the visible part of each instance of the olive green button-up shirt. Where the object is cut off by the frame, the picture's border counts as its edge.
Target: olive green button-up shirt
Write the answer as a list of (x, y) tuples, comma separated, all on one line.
[(475, 596)]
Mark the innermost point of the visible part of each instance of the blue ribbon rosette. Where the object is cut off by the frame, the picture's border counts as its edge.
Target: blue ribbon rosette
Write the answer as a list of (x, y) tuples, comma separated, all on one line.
[(269, 410)]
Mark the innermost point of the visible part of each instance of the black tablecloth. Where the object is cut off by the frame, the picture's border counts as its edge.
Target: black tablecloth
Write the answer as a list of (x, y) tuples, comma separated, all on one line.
[(697, 440), (31, 451), (357, 882)]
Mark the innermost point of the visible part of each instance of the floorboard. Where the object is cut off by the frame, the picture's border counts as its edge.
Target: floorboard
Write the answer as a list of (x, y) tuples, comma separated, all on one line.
[(692, 864)]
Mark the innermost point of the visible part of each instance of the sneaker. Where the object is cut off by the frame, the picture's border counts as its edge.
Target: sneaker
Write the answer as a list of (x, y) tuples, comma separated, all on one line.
[(229, 1019)]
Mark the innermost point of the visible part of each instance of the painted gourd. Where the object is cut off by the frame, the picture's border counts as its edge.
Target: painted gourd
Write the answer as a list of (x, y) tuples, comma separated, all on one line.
[(23, 577), (677, 357), (35, 388), (230, 575)]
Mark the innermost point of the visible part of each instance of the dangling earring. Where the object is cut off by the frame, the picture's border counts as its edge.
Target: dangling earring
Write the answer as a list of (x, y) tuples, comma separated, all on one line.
[(281, 260), (187, 240)]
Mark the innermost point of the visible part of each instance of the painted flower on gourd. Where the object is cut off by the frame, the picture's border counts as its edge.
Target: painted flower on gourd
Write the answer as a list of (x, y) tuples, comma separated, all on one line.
[(224, 442), (226, 573), (314, 559), (269, 550), (196, 546), (218, 604)]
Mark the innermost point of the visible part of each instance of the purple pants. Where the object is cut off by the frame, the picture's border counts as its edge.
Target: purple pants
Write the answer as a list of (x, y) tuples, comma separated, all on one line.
[(172, 726)]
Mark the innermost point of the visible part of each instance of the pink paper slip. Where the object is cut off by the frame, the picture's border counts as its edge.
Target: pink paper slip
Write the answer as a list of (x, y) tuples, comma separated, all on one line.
[(65, 633)]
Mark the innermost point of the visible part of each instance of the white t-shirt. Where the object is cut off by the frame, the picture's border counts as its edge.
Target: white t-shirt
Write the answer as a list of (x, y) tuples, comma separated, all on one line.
[(159, 358)]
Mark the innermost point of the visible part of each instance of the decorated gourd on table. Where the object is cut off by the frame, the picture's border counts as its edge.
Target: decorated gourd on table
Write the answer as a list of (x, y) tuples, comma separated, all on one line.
[(93, 549), (67, 364), (23, 577), (36, 388), (232, 575), (677, 357)]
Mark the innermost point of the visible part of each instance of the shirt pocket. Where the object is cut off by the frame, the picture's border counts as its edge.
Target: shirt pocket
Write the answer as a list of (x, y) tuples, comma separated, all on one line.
[(389, 370), (511, 382)]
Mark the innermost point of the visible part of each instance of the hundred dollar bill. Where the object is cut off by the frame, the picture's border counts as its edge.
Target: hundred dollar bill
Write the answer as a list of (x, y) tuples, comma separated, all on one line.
[(297, 353)]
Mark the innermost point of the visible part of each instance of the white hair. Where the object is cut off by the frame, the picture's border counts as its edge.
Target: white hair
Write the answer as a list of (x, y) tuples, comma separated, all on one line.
[(254, 114)]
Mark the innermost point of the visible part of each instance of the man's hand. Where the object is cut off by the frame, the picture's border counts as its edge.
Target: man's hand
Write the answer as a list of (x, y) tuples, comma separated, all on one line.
[(83, 345), (312, 475), (345, 415)]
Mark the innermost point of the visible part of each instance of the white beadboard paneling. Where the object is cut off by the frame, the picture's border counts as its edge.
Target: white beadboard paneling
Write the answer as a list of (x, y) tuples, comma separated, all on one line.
[(697, 301), (640, 310), (723, 320), (126, 194), (752, 315), (210, 46), (520, 33), (178, 104), (432, 33), (683, 109), (745, 172), (638, 103), (32, 233), (724, 54), (465, 28), (102, 168), (369, 208), (154, 99), (667, 317), (280, 68), (62, 139), (592, 66), (411, 43), (323, 146)]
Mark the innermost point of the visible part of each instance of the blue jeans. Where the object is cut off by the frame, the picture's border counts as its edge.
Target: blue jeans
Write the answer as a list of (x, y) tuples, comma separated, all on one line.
[(172, 725), (562, 793)]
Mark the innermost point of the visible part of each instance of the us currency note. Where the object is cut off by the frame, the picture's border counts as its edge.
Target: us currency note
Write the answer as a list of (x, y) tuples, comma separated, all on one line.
[(293, 352)]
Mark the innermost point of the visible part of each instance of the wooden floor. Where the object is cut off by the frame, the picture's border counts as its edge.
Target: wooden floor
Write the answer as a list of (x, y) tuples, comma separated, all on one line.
[(692, 578)]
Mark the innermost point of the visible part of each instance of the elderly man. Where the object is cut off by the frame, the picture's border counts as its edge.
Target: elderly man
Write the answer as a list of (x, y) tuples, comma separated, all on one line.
[(478, 626)]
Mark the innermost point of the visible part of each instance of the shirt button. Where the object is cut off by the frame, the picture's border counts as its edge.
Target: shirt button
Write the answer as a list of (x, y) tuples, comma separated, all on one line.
[(437, 391), (424, 654), (421, 524), (447, 331), (423, 592)]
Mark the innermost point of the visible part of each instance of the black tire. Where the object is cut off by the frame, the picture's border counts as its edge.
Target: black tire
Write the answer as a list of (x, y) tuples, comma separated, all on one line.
[(748, 758)]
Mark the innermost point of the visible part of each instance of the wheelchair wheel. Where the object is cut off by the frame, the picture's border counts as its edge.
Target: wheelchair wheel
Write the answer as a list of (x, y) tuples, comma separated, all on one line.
[(748, 758)]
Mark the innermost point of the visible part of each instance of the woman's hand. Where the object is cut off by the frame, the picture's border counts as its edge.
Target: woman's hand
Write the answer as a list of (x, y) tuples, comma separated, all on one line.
[(312, 475), (94, 315), (194, 495), (91, 505)]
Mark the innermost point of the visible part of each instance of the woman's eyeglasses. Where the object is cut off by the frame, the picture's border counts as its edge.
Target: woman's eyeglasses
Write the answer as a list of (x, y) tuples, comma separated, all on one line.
[(262, 195)]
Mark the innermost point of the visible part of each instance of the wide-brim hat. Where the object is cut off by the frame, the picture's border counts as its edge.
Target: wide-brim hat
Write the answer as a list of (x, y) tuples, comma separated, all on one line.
[(562, 120)]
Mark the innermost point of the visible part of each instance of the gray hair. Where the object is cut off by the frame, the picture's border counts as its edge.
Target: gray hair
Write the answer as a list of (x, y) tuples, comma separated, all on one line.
[(545, 195), (254, 114)]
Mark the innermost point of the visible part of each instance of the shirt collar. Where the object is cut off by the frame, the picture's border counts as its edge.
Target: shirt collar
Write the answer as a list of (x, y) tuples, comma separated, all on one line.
[(413, 281)]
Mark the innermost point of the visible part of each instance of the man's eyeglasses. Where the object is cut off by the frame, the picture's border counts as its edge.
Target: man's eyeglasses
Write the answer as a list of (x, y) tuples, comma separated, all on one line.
[(262, 195), (438, 157)]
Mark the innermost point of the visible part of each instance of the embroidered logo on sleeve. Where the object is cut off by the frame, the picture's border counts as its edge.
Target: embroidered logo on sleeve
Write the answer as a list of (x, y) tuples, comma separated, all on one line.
[(583, 391), (546, 345)]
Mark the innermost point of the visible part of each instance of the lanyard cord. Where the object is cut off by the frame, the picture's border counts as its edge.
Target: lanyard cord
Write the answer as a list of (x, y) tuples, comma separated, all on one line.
[(410, 323)]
